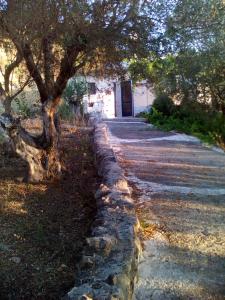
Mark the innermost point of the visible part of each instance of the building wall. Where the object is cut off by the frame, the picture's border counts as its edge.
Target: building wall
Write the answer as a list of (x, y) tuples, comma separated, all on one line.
[(118, 103), (102, 103), (143, 97), (107, 100)]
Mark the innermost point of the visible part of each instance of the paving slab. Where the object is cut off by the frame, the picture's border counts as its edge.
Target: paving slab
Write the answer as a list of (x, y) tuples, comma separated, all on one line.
[(179, 190)]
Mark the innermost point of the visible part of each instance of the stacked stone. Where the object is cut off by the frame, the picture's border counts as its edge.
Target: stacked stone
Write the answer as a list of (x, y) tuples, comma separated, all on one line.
[(108, 267)]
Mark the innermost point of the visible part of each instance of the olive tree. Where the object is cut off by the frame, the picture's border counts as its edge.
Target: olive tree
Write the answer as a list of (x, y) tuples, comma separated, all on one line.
[(57, 39)]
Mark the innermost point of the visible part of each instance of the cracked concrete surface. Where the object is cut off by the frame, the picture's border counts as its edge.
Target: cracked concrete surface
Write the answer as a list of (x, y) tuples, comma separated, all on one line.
[(179, 189)]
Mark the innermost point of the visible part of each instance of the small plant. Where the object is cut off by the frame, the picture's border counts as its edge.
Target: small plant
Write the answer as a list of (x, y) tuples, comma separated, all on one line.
[(142, 114), (23, 108)]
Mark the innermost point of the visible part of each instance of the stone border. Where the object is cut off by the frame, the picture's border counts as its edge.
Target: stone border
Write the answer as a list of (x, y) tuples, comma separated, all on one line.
[(108, 267)]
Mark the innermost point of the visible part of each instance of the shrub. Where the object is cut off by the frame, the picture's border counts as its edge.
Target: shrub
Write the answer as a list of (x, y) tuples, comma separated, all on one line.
[(156, 117), (164, 104), (193, 119), (23, 108), (142, 114)]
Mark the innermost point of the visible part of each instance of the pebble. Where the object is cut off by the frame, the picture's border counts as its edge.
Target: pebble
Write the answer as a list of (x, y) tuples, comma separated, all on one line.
[(15, 259), (62, 268)]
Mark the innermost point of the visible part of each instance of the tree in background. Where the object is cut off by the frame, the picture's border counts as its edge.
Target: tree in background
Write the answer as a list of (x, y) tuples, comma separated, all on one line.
[(56, 39), (189, 62), (73, 94), (197, 31)]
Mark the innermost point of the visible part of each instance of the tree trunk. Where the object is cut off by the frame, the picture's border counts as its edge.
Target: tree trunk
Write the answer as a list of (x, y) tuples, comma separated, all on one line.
[(51, 135), (7, 103), (40, 152), (34, 158)]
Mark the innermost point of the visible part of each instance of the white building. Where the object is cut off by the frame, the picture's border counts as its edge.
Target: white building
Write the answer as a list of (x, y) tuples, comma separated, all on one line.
[(110, 99)]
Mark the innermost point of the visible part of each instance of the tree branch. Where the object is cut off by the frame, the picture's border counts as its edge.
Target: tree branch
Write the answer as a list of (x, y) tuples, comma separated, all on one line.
[(67, 70), (8, 71), (34, 72), (28, 81)]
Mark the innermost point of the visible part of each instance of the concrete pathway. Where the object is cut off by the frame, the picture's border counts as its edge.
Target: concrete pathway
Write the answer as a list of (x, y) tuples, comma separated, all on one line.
[(179, 189)]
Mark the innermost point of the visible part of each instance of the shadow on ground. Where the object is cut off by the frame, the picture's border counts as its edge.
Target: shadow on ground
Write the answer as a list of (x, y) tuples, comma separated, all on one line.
[(43, 226)]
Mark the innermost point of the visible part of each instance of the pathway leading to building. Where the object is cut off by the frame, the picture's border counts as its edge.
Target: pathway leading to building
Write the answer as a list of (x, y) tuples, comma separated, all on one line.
[(179, 191)]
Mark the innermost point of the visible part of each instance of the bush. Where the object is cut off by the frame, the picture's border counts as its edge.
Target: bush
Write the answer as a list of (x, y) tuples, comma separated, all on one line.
[(206, 125), (142, 114), (156, 117), (164, 104), (23, 108)]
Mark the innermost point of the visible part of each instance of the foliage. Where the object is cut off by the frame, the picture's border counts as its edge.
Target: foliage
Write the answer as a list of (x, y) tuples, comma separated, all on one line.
[(190, 65), (191, 69), (70, 36), (140, 70), (75, 90), (209, 126), (164, 104), (73, 95), (142, 114), (66, 38), (23, 108)]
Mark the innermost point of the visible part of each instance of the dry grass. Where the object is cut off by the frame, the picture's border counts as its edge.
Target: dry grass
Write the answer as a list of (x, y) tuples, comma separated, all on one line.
[(43, 226)]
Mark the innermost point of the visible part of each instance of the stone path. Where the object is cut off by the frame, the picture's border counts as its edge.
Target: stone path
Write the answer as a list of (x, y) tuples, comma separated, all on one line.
[(179, 189)]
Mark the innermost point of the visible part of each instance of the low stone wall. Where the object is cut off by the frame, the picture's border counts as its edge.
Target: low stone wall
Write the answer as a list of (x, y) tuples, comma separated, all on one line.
[(109, 264)]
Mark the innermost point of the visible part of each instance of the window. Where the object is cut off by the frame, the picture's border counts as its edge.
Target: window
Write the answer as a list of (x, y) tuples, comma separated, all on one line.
[(91, 88)]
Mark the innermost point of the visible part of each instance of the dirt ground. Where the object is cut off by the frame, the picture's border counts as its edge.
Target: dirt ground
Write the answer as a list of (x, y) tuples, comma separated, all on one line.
[(43, 226)]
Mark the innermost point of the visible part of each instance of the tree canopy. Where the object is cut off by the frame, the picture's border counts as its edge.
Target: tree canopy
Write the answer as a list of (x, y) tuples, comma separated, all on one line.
[(189, 61), (59, 39)]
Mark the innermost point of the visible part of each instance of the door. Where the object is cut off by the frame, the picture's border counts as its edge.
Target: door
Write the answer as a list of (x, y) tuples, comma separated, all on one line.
[(126, 98)]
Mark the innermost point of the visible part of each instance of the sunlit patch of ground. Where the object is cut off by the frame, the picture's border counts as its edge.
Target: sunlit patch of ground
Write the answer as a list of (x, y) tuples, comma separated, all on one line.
[(43, 226)]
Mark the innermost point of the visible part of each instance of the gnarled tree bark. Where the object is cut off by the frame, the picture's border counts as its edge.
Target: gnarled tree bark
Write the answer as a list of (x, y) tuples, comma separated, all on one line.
[(40, 152)]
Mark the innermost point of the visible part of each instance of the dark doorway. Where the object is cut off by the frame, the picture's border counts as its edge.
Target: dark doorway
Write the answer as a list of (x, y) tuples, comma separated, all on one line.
[(126, 98)]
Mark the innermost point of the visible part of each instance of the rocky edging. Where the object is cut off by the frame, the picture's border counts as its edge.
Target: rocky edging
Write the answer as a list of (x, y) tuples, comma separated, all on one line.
[(109, 263)]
